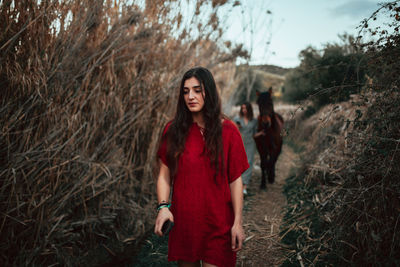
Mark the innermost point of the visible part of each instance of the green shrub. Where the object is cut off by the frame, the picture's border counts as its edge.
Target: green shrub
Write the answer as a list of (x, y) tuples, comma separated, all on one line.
[(327, 76)]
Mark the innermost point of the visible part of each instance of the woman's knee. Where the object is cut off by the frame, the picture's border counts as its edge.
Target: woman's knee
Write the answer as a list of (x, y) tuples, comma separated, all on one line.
[(189, 264), (206, 264)]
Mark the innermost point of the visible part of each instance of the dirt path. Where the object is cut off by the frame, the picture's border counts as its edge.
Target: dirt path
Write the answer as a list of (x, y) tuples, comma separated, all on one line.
[(263, 214)]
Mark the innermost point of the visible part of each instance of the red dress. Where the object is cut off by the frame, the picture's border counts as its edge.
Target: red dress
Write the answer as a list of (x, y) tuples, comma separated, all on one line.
[(202, 209)]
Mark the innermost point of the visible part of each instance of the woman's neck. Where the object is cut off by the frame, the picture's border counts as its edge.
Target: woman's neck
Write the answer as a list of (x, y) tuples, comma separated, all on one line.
[(199, 119), (245, 117)]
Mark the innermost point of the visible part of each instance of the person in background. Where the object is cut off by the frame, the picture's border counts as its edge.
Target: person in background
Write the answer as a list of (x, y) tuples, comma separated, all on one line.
[(202, 158), (248, 130)]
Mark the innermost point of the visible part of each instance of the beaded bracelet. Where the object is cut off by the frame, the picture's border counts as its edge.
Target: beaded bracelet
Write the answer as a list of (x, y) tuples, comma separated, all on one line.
[(163, 205)]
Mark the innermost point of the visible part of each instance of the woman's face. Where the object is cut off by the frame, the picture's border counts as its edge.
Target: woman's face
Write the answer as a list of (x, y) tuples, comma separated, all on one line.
[(244, 110), (193, 94)]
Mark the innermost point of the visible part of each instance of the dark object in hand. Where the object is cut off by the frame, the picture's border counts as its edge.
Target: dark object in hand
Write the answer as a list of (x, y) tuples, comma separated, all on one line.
[(167, 226), (238, 123)]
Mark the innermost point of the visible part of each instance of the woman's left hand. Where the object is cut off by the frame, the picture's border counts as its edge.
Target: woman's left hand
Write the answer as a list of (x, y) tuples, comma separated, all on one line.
[(259, 133), (238, 236)]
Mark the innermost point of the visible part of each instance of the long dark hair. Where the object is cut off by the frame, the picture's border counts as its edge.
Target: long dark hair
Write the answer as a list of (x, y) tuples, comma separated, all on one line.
[(249, 109), (179, 128)]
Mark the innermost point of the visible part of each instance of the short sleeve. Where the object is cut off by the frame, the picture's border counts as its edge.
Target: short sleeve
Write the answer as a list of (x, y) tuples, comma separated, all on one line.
[(237, 160), (162, 150)]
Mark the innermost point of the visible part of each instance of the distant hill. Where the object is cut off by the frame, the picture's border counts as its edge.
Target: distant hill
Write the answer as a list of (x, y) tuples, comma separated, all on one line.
[(266, 68), (272, 69), (259, 77)]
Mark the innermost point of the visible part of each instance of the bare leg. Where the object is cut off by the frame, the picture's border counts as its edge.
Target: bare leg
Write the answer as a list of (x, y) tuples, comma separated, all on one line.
[(205, 264), (188, 264)]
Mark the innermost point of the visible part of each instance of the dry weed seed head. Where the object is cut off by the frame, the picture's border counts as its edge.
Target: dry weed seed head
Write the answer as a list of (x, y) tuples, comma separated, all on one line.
[(87, 91)]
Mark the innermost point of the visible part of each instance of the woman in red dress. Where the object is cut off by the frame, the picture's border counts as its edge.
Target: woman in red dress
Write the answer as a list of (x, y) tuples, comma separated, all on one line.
[(202, 158)]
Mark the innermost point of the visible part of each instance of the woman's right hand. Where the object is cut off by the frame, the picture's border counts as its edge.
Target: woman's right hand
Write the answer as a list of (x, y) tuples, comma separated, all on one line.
[(259, 133), (163, 215)]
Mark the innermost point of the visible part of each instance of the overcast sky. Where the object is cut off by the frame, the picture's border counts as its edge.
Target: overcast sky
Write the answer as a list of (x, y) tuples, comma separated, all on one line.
[(294, 24)]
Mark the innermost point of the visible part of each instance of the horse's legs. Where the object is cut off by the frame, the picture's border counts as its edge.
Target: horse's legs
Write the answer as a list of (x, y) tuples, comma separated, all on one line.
[(271, 173), (263, 173), (271, 170)]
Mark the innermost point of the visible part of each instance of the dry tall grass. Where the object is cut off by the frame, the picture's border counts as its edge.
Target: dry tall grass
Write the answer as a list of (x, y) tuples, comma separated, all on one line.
[(86, 89)]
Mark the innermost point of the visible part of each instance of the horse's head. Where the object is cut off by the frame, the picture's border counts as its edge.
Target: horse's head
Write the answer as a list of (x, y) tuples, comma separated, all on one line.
[(266, 107)]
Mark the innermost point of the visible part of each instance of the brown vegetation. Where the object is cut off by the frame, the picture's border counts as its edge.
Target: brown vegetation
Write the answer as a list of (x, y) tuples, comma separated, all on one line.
[(87, 87)]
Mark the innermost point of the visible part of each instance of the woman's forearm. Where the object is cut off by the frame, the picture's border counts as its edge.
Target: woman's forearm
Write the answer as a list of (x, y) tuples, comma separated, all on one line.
[(163, 184), (237, 199), (163, 192)]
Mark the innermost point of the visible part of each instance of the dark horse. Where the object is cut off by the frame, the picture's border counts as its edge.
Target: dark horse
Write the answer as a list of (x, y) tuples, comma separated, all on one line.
[(268, 145)]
